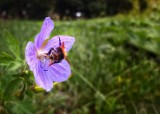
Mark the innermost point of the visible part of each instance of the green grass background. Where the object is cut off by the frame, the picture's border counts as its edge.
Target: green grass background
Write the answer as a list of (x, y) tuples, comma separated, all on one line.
[(115, 66)]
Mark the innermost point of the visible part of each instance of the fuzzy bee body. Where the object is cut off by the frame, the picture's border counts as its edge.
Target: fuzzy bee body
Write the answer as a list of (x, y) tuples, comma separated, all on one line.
[(56, 55)]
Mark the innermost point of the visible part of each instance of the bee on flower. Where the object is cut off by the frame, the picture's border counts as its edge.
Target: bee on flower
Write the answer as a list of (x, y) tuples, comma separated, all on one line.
[(47, 58)]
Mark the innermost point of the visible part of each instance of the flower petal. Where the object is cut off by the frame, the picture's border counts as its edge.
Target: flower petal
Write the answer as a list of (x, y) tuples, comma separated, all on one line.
[(54, 42), (42, 77), (46, 29), (30, 54), (60, 71)]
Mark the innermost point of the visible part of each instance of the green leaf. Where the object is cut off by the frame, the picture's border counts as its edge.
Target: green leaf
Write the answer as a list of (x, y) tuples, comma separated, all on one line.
[(5, 58), (23, 106), (12, 44), (14, 65), (20, 106), (12, 88)]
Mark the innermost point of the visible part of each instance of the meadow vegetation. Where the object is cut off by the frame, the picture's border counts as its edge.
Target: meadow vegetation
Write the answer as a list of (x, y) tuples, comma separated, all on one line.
[(115, 67)]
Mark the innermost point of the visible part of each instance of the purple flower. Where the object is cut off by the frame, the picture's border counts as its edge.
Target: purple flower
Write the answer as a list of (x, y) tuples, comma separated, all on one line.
[(47, 57)]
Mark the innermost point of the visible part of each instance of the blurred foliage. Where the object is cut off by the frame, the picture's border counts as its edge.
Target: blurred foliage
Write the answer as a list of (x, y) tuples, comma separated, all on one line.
[(67, 9), (115, 67)]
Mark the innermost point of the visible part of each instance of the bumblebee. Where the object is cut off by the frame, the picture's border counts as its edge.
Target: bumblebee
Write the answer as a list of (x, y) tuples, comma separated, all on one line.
[(56, 55)]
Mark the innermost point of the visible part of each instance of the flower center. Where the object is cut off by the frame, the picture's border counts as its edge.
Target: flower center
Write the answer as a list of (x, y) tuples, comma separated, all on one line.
[(41, 55)]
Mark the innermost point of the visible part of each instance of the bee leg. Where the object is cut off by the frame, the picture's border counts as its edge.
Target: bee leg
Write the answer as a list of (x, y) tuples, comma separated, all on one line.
[(67, 60), (58, 61), (50, 51), (59, 41), (51, 63)]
